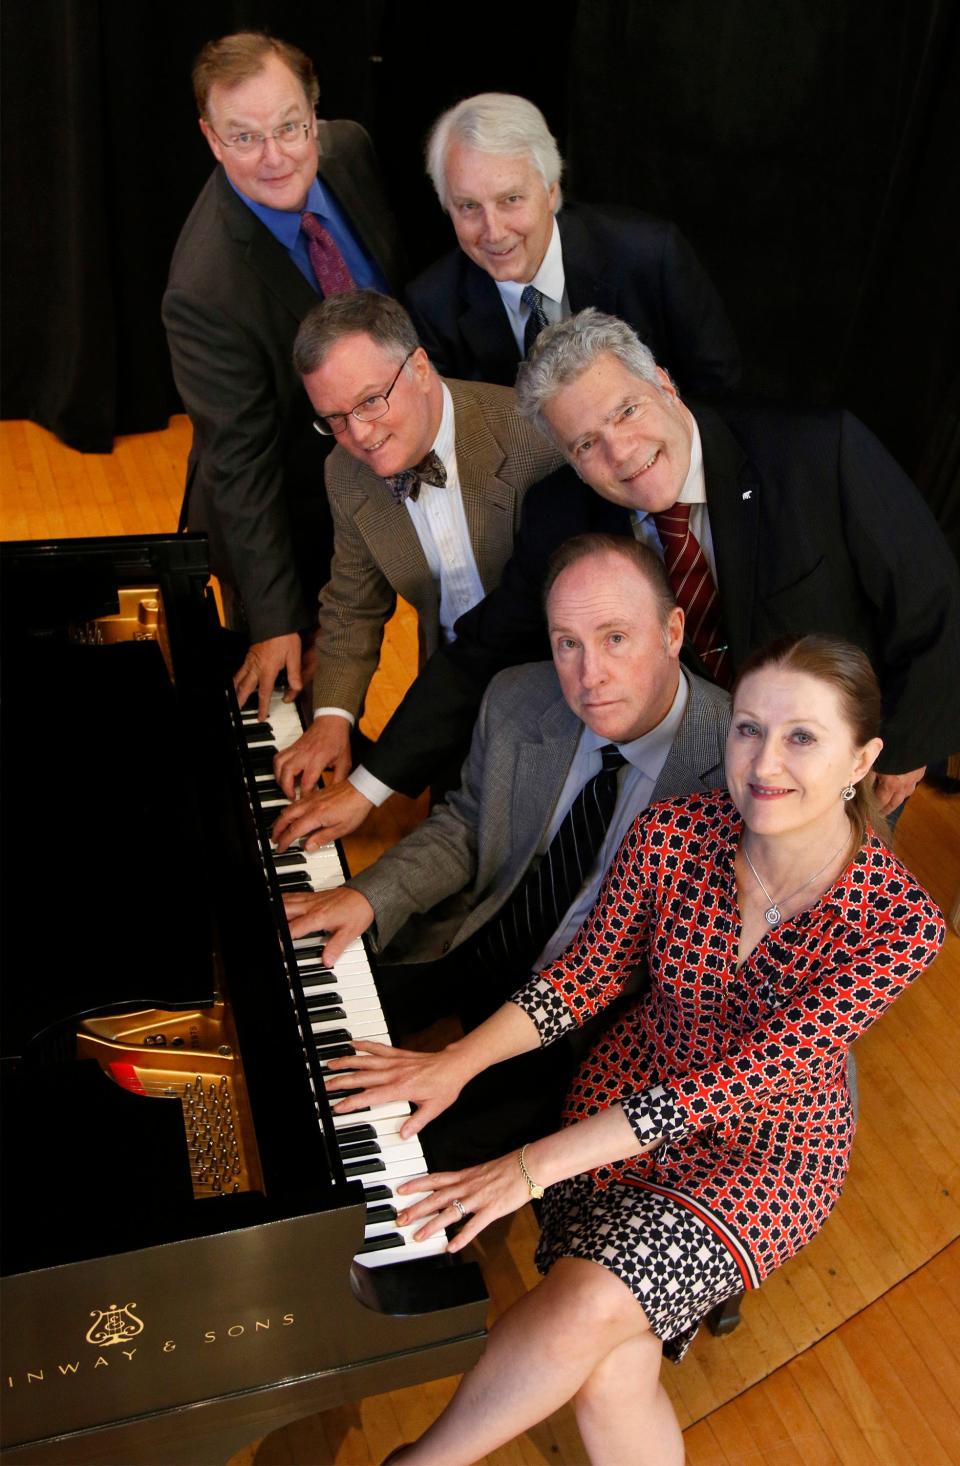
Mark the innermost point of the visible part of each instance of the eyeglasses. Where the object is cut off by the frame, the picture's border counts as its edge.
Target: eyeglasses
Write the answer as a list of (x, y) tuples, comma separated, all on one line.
[(287, 135), (366, 411)]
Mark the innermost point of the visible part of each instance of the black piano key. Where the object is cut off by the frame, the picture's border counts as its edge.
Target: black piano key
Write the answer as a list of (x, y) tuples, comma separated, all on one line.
[(333, 1037), (269, 789), (377, 1193), (381, 1243), (377, 1214), (360, 1148), (293, 880), (259, 733), (336, 1051), (316, 972), (326, 1013), (289, 857), (304, 954), (362, 1168), (317, 1002), (356, 1132)]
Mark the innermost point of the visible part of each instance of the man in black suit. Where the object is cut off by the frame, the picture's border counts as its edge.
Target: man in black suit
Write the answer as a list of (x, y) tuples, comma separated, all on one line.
[(803, 521), (243, 276), (496, 169)]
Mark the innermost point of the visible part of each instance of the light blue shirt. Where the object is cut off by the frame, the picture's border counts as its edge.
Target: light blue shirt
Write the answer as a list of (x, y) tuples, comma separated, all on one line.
[(284, 225), (636, 781)]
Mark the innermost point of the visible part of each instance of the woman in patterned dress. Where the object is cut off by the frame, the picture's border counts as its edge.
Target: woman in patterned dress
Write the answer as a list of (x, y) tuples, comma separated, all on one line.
[(707, 1135)]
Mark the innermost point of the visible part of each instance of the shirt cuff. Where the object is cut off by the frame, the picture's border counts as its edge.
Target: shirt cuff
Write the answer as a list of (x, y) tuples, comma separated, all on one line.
[(654, 1115), (545, 1008), (334, 713), (369, 786)]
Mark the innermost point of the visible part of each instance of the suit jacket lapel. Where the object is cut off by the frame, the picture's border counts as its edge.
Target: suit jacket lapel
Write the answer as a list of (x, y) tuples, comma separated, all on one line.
[(696, 750), (583, 284), (485, 327), (733, 501), (264, 255), (541, 768), (488, 501)]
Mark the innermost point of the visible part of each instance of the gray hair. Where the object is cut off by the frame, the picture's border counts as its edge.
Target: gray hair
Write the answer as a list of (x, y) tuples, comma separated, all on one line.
[(563, 352), (496, 123), (355, 313)]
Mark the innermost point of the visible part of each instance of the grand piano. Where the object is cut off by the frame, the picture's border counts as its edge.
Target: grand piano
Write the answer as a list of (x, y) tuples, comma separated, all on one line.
[(195, 1251)]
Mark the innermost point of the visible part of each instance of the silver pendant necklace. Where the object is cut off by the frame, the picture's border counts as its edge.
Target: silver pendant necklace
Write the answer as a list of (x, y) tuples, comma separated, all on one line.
[(773, 915)]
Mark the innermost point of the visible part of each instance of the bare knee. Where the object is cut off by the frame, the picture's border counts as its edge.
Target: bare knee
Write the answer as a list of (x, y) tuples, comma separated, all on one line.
[(632, 1368), (595, 1308)]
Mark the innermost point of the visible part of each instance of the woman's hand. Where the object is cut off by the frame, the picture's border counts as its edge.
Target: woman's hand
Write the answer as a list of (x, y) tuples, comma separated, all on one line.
[(382, 1074), (484, 1192)]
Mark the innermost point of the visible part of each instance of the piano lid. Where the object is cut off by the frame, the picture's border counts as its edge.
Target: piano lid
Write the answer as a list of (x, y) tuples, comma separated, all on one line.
[(102, 858)]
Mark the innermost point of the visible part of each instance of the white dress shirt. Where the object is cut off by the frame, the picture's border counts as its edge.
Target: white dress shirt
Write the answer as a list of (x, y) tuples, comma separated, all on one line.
[(441, 524), (550, 282)]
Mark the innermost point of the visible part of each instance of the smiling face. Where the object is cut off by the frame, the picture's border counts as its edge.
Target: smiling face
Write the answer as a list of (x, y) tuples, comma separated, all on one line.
[(356, 368), (617, 664), (790, 752), (501, 209), (279, 177), (630, 440)]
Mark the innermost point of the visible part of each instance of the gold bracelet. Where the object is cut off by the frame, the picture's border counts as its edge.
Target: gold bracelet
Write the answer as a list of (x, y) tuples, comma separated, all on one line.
[(536, 1192)]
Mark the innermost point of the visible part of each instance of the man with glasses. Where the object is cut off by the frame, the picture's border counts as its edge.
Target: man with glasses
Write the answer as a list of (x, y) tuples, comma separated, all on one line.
[(425, 487), (294, 211)]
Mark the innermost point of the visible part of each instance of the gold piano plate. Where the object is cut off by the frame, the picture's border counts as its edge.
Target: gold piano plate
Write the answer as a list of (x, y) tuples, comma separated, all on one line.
[(190, 1056), (141, 618)]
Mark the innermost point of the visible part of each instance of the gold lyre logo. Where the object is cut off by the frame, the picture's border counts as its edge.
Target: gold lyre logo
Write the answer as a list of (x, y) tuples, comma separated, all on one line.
[(113, 1326)]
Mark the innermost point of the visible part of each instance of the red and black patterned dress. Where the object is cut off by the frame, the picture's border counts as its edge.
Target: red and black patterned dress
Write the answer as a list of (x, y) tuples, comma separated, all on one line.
[(741, 1071)]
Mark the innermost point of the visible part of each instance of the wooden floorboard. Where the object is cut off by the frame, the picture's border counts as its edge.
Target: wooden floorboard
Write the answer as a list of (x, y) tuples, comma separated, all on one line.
[(851, 1353)]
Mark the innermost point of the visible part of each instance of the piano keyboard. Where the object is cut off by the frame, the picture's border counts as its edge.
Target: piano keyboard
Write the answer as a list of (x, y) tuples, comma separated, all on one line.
[(343, 1005)]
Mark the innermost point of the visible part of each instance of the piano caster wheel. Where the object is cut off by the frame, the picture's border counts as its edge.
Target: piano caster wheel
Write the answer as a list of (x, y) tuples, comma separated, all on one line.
[(726, 1316)]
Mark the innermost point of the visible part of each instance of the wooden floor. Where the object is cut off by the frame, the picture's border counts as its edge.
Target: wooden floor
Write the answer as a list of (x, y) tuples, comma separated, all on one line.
[(851, 1353)]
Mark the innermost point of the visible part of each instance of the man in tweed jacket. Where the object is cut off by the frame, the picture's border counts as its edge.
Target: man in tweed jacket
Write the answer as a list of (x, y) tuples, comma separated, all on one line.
[(439, 537)]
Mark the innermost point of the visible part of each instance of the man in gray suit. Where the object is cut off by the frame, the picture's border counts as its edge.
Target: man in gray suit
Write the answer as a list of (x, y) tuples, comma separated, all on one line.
[(615, 634), (425, 488)]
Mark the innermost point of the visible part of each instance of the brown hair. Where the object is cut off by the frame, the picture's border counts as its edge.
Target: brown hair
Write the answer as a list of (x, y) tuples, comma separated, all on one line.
[(640, 556), (233, 59), (354, 313), (847, 670)]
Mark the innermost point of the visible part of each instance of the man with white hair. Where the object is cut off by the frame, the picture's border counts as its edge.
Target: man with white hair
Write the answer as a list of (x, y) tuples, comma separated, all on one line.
[(527, 258)]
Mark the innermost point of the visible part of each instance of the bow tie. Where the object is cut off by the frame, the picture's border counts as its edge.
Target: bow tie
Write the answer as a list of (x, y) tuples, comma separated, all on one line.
[(406, 485)]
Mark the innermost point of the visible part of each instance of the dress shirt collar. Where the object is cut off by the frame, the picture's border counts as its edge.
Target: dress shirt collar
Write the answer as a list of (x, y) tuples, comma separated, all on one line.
[(284, 224), (649, 752), (549, 279), (444, 444)]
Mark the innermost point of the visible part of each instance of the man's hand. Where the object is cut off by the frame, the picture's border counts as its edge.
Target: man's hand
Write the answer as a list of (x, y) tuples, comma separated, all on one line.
[(343, 913), (325, 745), (260, 666), (332, 812), (892, 789)]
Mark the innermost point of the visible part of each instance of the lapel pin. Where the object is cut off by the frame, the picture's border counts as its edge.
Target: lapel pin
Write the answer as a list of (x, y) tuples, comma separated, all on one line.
[(746, 494)]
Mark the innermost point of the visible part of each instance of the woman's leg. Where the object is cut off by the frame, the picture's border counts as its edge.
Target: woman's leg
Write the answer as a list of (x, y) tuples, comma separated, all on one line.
[(538, 1356), (623, 1411)]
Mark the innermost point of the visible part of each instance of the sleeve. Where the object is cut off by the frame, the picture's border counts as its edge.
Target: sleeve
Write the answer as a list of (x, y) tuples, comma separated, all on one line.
[(440, 346), (701, 347), (229, 391), (908, 574), (437, 859), (355, 605)]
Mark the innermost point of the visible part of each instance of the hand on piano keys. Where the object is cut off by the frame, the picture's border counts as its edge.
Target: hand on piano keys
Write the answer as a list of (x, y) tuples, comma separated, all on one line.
[(475, 1196), (381, 1073), (325, 745), (341, 916), (332, 813)]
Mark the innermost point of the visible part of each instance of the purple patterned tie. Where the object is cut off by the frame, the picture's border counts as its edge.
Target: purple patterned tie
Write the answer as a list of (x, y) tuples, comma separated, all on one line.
[(406, 485), (326, 261)]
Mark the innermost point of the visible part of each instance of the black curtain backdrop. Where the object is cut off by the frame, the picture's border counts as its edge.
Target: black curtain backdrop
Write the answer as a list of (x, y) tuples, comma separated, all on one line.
[(806, 147)]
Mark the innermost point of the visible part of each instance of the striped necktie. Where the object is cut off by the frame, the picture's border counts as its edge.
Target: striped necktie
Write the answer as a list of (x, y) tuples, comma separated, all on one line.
[(518, 933), (691, 582)]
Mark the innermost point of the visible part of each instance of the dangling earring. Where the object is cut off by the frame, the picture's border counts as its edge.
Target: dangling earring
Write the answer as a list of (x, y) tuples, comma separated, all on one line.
[(848, 793)]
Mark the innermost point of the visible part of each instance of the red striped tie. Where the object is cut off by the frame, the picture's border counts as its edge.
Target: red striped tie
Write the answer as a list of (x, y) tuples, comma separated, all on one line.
[(689, 574)]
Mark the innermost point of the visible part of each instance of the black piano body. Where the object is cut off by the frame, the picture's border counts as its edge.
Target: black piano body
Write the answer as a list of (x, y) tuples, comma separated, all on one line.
[(139, 1323)]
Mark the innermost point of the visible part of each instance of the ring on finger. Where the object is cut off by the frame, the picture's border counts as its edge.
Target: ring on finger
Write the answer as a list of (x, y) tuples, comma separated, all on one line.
[(461, 1209)]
